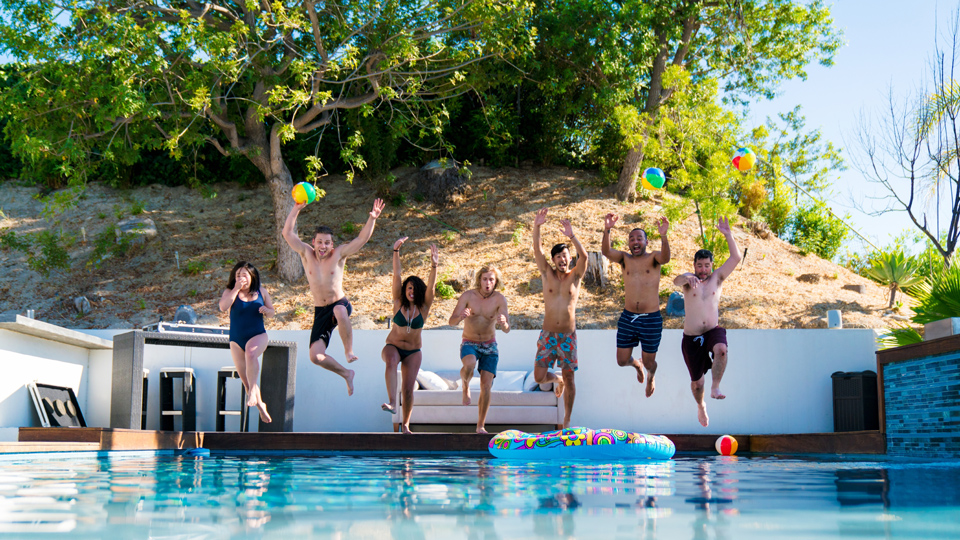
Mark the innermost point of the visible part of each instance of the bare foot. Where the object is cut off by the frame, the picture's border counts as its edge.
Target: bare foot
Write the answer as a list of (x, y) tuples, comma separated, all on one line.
[(466, 393), (389, 407), (405, 429), (566, 423), (558, 388), (252, 401), (702, 414), (349, 379), (715, 393), (264, 416), (351, 358), (651, 386), (481, 430), (640, 375)]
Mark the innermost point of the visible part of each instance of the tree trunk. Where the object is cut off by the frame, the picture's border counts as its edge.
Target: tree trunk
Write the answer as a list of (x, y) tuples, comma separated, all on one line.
[(893, 295), (288, 261), (627, 183), (596, 274)]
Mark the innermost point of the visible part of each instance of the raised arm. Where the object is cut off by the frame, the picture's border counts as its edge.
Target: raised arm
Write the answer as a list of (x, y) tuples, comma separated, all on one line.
[(581, 268), (366, 232), (539, 220), (397, 293), (663, 256), (290, 231), (615, 255), (267, 308), (432, 280), (734, 259)]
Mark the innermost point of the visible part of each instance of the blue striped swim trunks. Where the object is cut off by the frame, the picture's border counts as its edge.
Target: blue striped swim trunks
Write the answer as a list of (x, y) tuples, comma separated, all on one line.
[(645, 329)]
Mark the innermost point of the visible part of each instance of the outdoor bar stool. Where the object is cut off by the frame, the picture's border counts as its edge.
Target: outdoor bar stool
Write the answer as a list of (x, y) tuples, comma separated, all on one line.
[(230, 372), (188, 412), (143, 413)]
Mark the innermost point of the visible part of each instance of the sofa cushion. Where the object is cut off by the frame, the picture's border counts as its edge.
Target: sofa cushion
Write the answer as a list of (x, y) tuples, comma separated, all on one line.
[(426, 398), (505, 381), (429, 380)]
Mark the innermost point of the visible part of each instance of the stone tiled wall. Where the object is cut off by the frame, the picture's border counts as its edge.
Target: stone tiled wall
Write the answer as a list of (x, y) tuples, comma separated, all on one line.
[(922, 402)]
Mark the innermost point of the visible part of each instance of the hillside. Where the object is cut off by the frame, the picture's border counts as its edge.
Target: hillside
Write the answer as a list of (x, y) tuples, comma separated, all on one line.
[(775, 286)]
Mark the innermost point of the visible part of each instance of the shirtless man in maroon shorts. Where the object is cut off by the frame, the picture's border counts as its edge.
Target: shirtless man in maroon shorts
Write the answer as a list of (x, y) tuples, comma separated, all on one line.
[(702, 336)]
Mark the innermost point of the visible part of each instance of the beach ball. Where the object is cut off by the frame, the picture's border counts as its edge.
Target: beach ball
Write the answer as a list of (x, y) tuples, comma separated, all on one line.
[(304, 192), (653, 178), (744, 159), (726, 445)]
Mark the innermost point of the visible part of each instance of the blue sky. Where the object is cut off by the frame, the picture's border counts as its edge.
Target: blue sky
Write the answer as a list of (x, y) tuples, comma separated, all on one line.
[(888, 46)]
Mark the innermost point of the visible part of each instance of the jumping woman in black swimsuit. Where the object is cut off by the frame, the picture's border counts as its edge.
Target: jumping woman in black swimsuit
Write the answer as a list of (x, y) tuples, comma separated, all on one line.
[(411, 307)]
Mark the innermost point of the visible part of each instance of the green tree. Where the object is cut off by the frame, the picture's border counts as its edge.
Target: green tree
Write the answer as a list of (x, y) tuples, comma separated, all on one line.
[(752, 45), (111, 78), (815, 230), (896, 271)]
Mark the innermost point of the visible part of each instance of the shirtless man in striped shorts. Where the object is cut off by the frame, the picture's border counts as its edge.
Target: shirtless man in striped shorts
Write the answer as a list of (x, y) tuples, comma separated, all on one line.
[(641, 322)]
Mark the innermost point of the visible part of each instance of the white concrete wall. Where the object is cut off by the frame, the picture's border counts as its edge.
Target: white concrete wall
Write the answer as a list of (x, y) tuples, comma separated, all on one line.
[(24, 359), (777, 381)]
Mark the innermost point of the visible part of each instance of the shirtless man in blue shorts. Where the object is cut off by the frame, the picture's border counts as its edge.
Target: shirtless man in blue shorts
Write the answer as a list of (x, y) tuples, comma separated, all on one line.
[(481, 309), (641, 322), (323, 263), (704, 343), (561, 289)]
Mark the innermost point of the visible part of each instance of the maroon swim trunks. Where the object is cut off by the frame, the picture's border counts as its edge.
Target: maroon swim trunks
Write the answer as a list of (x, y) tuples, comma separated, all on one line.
[(698, 351)]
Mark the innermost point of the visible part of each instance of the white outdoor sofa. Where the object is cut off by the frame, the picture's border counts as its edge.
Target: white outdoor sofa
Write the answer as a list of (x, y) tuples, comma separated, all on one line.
[(515, 400)]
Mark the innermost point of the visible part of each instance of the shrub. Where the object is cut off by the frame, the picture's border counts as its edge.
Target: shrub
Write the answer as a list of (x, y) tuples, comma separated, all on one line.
[(814, 230), (445, 290)]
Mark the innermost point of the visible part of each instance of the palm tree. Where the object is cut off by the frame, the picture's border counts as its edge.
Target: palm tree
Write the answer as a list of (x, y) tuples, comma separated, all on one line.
[(896, 271), (937, 299)]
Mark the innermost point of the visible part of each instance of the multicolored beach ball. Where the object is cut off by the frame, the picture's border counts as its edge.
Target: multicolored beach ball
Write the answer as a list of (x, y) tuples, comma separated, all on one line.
[(744, 159), (304, 192), (653, 178), (726, 445)]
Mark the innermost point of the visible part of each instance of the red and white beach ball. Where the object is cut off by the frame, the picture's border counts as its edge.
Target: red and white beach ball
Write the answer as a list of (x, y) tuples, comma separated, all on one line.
[(726, 445)]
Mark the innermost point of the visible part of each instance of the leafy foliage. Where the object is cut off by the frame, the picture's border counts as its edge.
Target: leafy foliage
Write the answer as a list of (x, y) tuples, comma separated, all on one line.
[(814, 230), (896, 271)]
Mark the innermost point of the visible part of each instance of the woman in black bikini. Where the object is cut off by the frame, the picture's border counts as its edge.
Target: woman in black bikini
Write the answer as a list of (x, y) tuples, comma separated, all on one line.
[(411, 307)]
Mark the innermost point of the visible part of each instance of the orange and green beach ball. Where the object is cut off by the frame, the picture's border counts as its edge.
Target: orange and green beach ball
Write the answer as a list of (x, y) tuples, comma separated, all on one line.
[(304, 193), (744, 159), (653, 178)]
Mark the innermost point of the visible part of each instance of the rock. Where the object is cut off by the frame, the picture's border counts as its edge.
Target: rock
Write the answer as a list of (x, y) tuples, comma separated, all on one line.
[(675, 305), (536, 286), (809, 278), (438, 181), (862, 289), (185, 314), (364, 322), (82, 305), (138, 230)]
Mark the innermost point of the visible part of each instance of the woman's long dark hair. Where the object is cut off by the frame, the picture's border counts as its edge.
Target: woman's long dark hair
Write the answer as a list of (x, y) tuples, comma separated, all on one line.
[(254, 276), (419, 292)]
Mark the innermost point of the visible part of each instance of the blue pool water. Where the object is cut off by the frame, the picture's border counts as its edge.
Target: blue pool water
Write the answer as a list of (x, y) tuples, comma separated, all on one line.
[(340, 497)]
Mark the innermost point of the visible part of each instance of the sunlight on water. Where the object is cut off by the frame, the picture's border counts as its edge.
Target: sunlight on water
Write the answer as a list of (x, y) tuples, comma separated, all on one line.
[(708, 497)]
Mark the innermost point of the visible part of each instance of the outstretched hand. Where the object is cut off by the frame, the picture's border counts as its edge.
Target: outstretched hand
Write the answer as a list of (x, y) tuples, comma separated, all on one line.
[(399, 242), (610, 221), (663, 225), (566, 227), (434, 254), (723, 225), (378, 206), (540, 218), (299, 206)]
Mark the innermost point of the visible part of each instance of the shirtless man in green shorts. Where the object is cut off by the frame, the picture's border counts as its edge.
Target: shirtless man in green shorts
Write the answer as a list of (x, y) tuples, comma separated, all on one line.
[(561, 288)]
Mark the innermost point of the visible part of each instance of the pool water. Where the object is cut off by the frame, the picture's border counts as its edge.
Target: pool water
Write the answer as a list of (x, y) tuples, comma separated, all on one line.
[(340, 497)]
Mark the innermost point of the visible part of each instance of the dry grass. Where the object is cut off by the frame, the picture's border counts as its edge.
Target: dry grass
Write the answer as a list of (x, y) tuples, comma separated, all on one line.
[(494, 218)]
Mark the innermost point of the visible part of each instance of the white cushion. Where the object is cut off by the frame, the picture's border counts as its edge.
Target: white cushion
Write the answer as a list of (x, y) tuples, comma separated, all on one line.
[(530, 384), (431, 381), (509, 381), (427, 398)]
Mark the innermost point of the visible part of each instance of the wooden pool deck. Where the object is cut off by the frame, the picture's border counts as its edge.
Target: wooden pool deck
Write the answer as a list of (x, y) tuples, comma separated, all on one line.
[(107, 439)]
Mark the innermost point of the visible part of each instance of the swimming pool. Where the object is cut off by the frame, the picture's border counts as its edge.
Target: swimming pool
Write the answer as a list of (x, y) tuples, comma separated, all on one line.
[(165, 496)]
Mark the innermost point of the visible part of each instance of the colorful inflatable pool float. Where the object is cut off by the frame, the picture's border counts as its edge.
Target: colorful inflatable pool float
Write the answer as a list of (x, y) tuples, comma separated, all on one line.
[(581, 443)]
